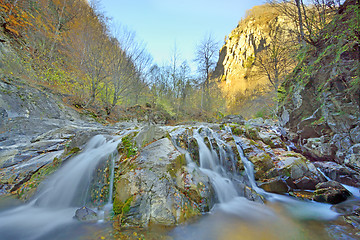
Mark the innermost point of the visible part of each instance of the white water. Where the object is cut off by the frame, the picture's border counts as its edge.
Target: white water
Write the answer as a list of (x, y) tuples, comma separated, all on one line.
[(223, 186), (65, 191), (232, 203)]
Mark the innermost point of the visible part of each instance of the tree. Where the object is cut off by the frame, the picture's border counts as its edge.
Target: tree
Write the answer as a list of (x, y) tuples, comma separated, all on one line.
[(206, 60), (275, 60), (309, 18)]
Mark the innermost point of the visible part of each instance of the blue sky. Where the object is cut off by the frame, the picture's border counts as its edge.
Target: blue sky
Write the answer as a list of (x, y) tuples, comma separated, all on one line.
[(162, 23)]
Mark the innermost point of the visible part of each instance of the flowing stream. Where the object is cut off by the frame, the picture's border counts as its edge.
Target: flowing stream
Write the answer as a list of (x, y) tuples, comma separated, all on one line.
[(234, 214), (49, 215), (65, 191)]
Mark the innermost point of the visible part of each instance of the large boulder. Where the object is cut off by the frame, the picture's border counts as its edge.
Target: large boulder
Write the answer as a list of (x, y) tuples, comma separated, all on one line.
[(149, 134), (159, 188)]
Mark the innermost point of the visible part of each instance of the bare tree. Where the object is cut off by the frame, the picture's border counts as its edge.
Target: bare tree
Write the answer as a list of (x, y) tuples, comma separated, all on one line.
[(275, 60), (206, 59), (309, 18)]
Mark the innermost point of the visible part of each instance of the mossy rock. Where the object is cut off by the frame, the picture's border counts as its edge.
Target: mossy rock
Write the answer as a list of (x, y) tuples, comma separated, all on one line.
[(262, 163), (120, 207), (176, 166)]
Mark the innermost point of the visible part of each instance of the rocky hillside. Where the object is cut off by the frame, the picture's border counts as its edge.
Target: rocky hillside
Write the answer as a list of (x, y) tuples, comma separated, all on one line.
[(321, 98), (235, 67)]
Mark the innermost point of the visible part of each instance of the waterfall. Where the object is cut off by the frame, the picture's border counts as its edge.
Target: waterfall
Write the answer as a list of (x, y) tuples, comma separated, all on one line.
[(223, 186), (299, 209), (223, 183), (64, 191), (111, 183)]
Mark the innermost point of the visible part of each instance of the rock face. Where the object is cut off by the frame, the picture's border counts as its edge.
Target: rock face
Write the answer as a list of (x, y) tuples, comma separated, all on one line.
[(38, 132), (237, 56), (321, 96)]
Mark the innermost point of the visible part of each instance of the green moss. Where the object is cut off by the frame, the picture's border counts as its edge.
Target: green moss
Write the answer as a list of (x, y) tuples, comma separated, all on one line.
[(319, 121), (73, 151), (175, 165), (238, 131), (122, 208), (127, 147), (29, 187)]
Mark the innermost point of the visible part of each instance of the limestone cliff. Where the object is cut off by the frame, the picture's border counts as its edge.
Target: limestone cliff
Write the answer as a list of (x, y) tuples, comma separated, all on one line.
[(235, 67)]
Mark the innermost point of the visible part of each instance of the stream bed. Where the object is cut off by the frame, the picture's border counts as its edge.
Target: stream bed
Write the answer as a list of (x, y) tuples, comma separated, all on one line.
[(211, 194)]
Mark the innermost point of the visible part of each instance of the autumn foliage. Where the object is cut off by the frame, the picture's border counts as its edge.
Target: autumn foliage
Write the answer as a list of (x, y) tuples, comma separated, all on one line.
[(67, 45)]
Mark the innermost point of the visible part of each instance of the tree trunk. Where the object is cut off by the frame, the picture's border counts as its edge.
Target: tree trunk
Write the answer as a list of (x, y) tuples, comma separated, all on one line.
[(301, 25)]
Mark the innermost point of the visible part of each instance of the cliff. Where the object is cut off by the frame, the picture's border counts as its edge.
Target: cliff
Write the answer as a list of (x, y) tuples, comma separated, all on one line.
[(320, 101), (236, 68)]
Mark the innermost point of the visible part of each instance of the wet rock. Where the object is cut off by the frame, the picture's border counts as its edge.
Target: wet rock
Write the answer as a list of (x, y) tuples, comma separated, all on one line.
[(262, 163), (160, 189), (331, 192), (85, 214), (275, 185)]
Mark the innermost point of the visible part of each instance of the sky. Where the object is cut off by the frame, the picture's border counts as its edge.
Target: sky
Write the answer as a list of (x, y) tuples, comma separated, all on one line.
[(162, 24)]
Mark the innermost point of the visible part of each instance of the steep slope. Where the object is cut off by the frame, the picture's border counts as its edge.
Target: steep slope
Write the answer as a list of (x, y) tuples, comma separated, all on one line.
[(321, 97), (235, 68)]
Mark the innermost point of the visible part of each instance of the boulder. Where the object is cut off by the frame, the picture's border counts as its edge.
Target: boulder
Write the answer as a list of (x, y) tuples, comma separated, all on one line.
[(238, 119), (339, 173), (352, 157), (275, 185), (318, 149), (331, 192), (355, 134), (301, 173), (149, 134), (85, 214), (159, 188)]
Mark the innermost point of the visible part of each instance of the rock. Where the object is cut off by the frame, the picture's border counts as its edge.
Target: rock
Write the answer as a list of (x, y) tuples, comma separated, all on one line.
[(256, 122), (355, 134), (300, 171), (318, 149), (271, 138), (159, 188), (149, 134), (275, 185), (262, 163), (342, 142), (85, 214), (331, 192), (339, 173), (238, 119), (352, 157)]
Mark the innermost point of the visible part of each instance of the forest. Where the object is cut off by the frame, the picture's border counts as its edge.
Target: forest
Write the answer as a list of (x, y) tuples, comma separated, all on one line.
[(98, 141)]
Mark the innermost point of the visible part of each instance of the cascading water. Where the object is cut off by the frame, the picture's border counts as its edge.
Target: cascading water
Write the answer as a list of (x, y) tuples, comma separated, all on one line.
[(65, 191), (299, 209), (223, 186), (233, 208)]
